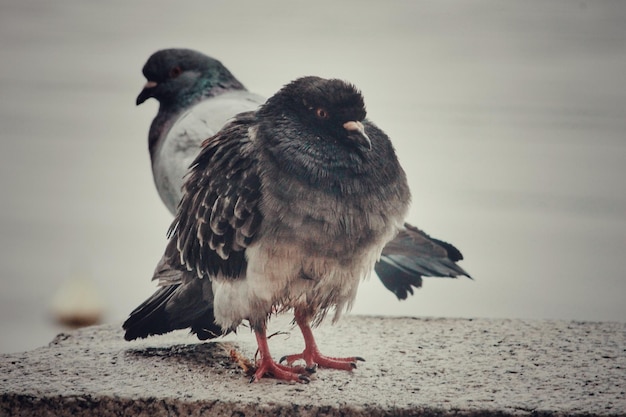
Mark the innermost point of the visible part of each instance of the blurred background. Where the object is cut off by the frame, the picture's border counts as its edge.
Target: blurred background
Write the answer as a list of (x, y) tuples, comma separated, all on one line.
[(509, 118)]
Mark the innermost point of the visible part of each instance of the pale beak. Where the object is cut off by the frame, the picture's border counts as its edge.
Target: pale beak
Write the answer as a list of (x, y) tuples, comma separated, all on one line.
[(356, 132), (147, 92)]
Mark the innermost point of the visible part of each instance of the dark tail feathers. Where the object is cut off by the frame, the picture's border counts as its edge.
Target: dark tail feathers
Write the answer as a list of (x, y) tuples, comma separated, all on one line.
[(173, 307), (412, 255)]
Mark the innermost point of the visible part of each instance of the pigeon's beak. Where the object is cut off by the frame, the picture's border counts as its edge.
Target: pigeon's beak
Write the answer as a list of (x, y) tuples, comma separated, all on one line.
[(147, 92), (356, 132)]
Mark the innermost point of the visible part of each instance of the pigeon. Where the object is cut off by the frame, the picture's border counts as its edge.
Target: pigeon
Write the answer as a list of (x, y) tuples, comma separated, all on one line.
[(197, 96), (286, 208)]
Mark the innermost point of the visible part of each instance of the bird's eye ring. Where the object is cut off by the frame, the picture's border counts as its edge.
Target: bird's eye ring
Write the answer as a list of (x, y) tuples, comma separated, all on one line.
[(321, 113), (175, 72)]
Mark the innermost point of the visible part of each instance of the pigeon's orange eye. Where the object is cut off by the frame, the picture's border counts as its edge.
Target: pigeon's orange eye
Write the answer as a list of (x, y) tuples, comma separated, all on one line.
[(321, 113), (175, 72)]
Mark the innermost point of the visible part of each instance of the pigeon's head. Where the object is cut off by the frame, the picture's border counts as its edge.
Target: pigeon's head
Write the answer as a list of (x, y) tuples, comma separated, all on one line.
[(330, 108), (178, 77)]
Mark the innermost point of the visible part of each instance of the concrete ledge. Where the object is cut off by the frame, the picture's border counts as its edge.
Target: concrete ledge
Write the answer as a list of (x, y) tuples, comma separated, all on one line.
[(415, 367)]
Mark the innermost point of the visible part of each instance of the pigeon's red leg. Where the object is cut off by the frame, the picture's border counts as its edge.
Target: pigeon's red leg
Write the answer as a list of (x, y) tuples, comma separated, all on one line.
[(267, 366), (311, 354)]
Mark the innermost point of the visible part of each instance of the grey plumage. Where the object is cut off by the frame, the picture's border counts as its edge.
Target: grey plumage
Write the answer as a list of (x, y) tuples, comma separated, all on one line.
[(265, 192), (197, 95), (289, 207), (413, 254), (182, 301)]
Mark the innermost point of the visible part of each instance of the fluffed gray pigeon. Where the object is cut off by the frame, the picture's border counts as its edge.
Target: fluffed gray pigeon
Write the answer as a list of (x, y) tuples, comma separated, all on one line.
[(197, 95), (287, 207)]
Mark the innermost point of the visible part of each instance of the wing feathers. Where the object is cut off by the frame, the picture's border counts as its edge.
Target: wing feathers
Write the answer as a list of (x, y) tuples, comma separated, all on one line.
[(219, 216), (412, 255)]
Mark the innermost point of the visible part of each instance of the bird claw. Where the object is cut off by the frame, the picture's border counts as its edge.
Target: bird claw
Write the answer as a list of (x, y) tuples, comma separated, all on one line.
[(315, 359), (311, 369), (267, 367)]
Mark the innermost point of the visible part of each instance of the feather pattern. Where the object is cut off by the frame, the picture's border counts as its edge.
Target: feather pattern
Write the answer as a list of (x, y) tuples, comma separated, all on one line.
[(266, 202), (289, 206), (218, 215), (413, 254)]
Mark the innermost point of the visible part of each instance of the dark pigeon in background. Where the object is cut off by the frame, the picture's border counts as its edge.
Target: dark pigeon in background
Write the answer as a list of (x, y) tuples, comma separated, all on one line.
[(197, 96), (288, 207)]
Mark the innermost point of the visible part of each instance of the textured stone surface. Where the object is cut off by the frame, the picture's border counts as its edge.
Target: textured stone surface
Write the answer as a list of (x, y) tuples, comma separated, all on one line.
[(414, 367)]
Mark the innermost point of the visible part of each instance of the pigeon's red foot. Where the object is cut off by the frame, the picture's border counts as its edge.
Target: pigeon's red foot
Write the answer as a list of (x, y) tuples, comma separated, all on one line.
[(267, 367), (311, 354), (313, 358)]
